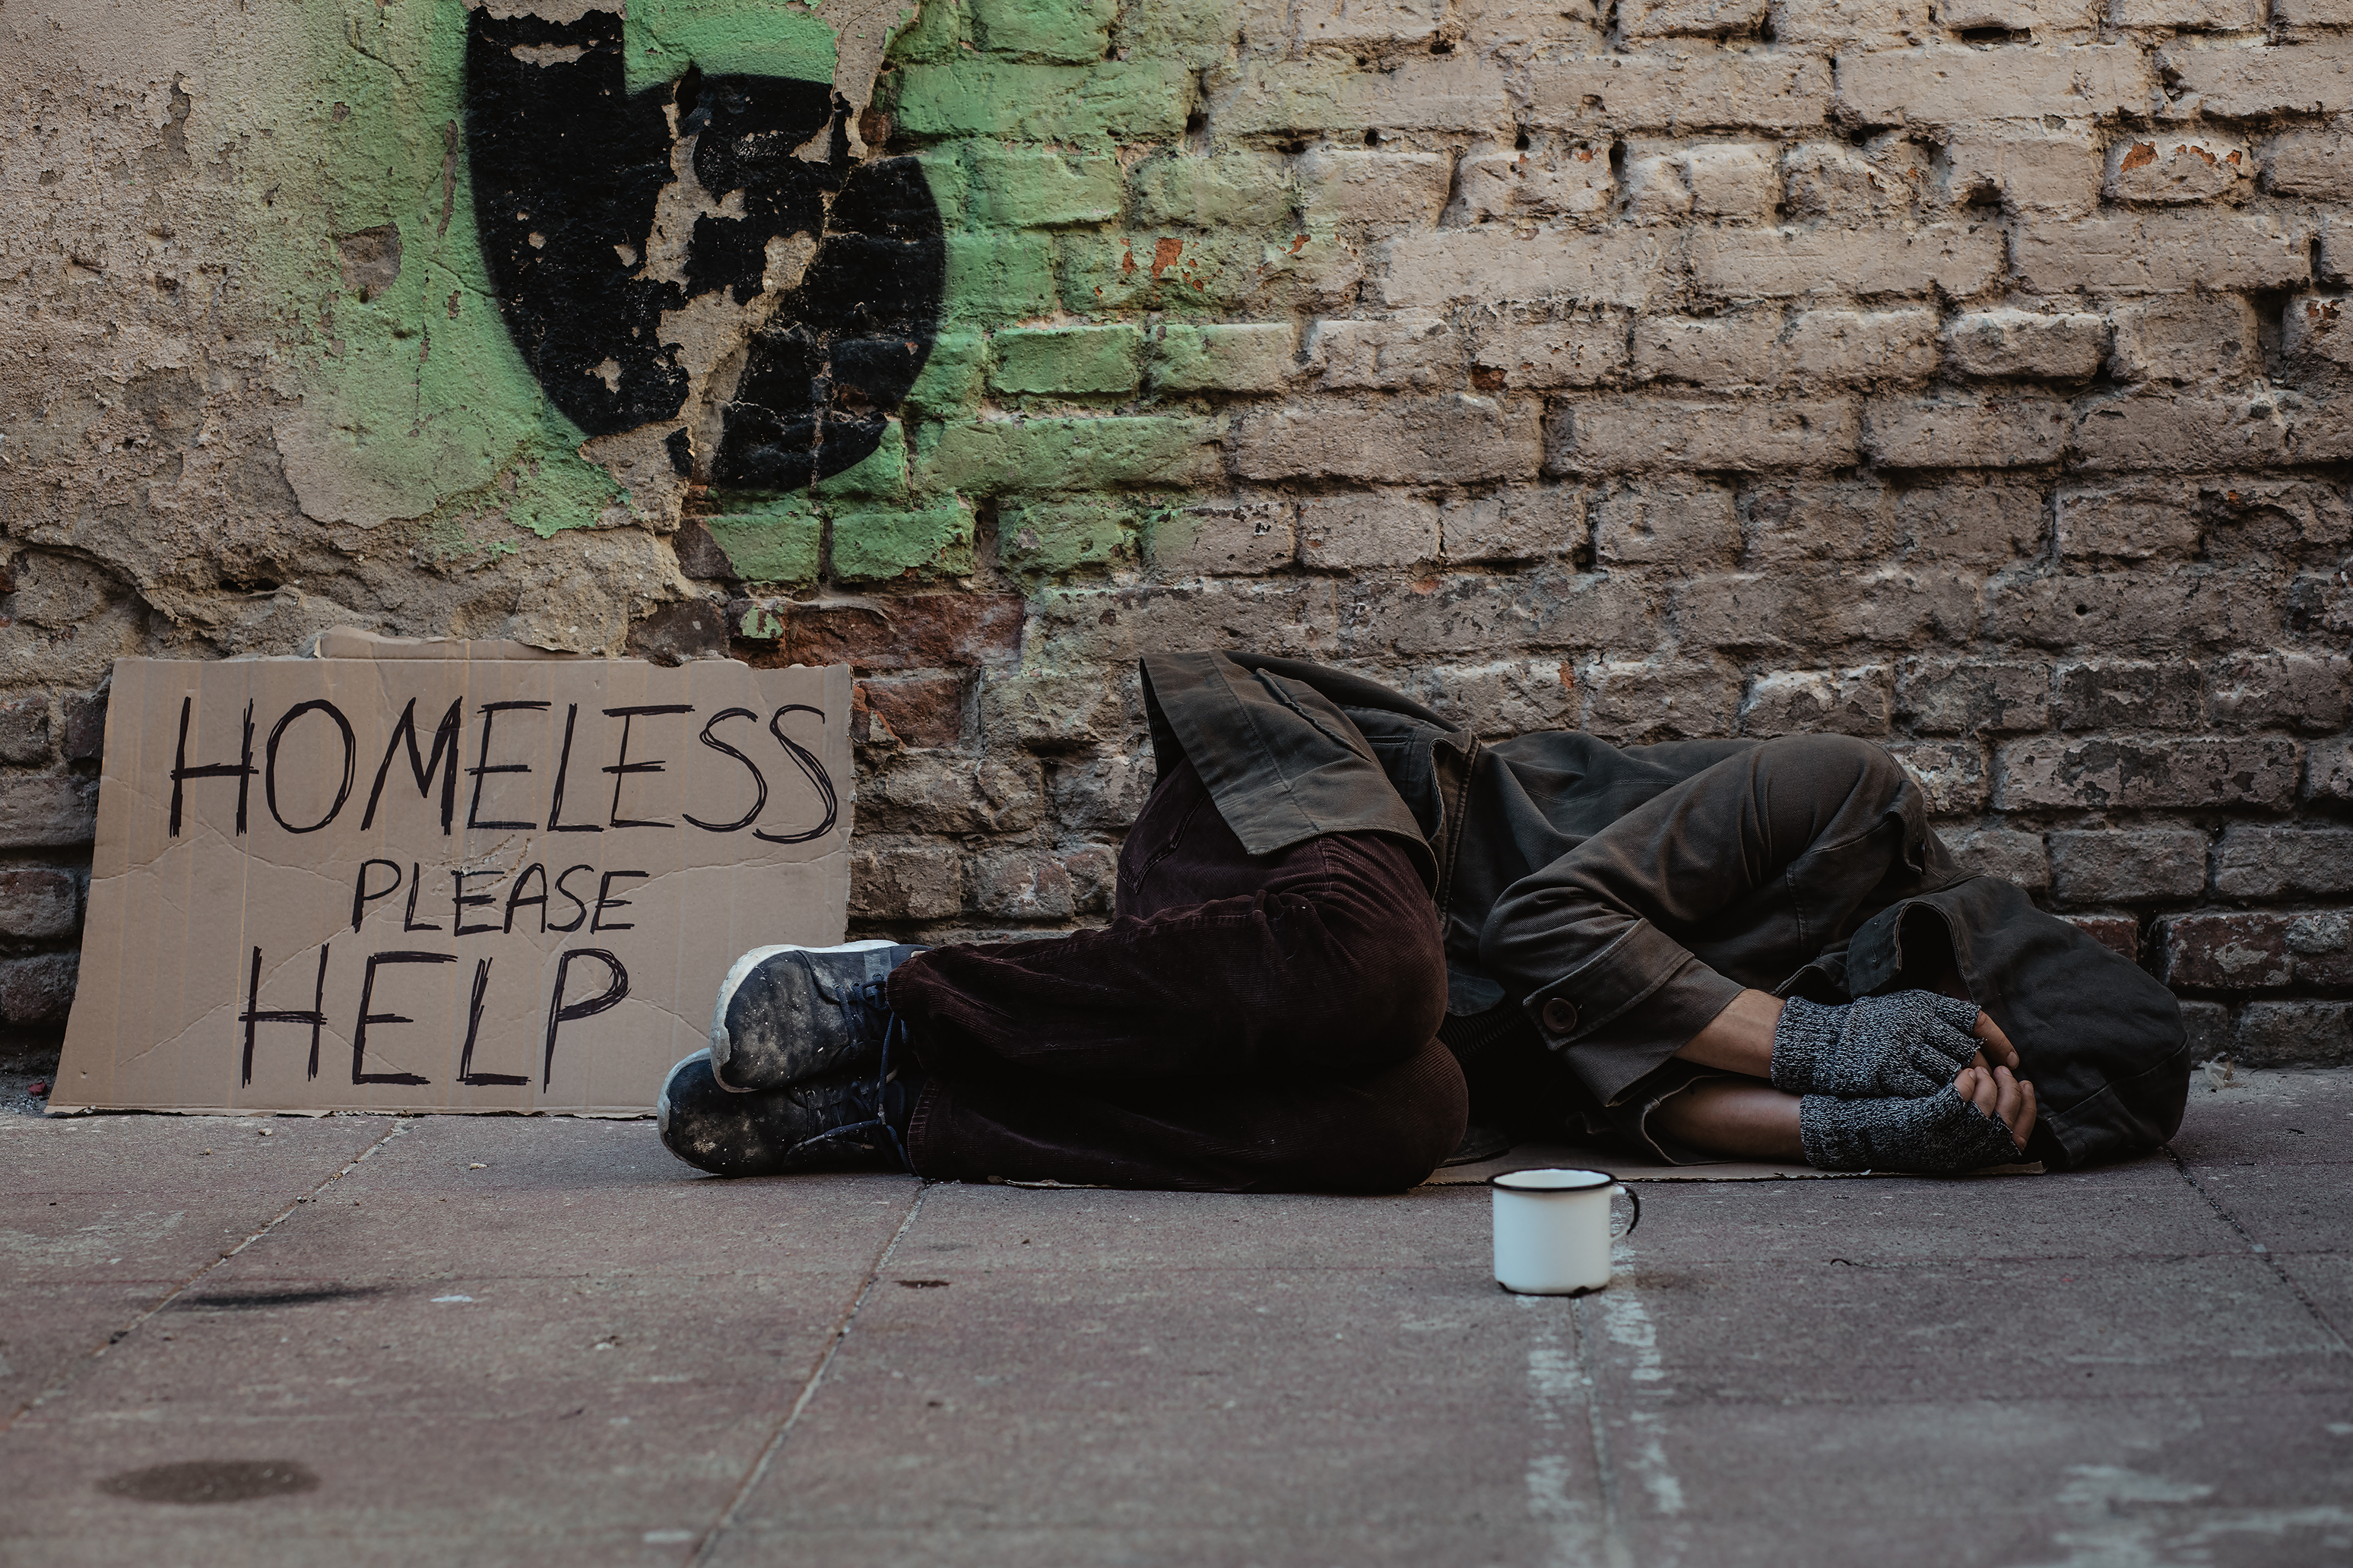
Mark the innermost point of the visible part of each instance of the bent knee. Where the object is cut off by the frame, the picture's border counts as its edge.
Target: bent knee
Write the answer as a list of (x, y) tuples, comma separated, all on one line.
[(1414, 1116), (1835, 765)]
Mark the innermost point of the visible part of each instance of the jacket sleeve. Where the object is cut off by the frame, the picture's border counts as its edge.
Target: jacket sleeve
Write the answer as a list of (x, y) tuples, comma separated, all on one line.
[(1585, 943)]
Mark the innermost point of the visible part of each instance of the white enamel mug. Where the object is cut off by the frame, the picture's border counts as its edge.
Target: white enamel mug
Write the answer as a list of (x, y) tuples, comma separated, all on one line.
[(1552, 1230)]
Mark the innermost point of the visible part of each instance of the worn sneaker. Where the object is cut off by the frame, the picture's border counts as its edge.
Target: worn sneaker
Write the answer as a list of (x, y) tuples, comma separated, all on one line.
[(787, 1013), (853, 1122)]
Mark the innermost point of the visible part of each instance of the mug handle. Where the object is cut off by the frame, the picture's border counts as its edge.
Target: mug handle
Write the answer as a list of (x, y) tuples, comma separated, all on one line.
[(1636, 1199)]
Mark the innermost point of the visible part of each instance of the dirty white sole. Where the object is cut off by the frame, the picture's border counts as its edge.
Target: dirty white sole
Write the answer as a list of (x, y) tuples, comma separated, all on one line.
[(722, 1048)]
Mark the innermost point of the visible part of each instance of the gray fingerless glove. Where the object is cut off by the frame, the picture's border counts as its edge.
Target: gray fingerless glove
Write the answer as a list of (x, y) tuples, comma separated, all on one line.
[(1940, 1135), (1906, 1044)]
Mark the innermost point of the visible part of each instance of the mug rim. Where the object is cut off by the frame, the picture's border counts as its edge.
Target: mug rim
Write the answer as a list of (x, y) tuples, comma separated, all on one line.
[(1505, 1179)]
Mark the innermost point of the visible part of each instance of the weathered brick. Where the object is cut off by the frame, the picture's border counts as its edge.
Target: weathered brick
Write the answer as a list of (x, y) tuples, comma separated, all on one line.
[(1681, 525), (2284, 862), (1024, 188), (2166, 431), (2153, 611), (893, 546), (1000, 454), (1065, 538), (1572, 179), (85, 727), (2279, 691), (2158, 254), (2318, 327), (2118, 867), (1951, 774), (1494, 264), (677, 632), (2202, 16), (1946, 696), (1690, 18), (1818, 701), (2239, 84), (1962, 432), (900, 631), (1213, 191), (1719, 351), (1106, 100), (1293, 618), (1810, 520), (1373, 187), (1549, 607), (2256, 950), (1673, 180), (46, 812), (1875, 24), (2310, 161), (37, 990), (2172, 168), (25, 730), (39, 903), (1375, 528), (1658, 700), (1103, 793), (1508, 697), (1197, 275), (2184, 338), (2120, 935), (1429, 440), (1214, 539), (2030, 168), (914, 709), (2007, 342), (1067, 360), (1862, 347), (1519, 522), (1796, 612), (1990, 523), (1422, 354), (1764, 91), (942, 791), (2328, 771), (1443, 92), (1240, 357), (1351, 24), (1580, 352), (1838, 180), (2300, 14), (2017, 858), (2131, 522), (2134, 774), (1949, 85), (2265, 520), (1073, 30), (2128, 694), (1957, 259), (2207, 1026), (906, 883), (2294, 1034), (1607, 434)]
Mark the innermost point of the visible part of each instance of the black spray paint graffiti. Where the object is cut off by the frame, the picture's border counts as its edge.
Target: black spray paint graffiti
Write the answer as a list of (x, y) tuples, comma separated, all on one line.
[(568, 168)]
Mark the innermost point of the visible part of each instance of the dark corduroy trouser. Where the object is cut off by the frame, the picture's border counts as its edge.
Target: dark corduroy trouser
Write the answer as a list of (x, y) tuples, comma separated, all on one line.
[(1246, 1024)]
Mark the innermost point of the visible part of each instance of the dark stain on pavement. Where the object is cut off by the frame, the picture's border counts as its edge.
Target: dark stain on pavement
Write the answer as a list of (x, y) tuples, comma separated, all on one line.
[(211, 1480), (258, 1300)]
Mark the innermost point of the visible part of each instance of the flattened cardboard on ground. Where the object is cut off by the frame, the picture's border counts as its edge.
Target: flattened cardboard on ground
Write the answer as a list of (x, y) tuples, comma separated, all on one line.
[(514, 886)]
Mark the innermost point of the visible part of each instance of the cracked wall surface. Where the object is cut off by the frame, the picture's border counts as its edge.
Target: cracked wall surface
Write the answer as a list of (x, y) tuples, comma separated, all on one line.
[(1971, 376)]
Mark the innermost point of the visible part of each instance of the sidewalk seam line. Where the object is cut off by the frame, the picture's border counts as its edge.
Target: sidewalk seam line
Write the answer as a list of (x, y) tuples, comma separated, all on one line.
[(400, 1127), (760, 1466), (2261, 1250)]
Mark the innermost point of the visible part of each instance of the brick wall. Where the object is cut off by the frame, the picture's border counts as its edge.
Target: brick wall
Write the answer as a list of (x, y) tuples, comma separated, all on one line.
[(1967, 376)]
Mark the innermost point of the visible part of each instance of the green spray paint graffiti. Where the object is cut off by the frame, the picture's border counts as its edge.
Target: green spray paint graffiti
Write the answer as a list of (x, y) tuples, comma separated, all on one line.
[(426, 387)]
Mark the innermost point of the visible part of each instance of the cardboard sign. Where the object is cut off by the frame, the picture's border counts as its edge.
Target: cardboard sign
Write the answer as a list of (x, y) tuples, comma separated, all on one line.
[(409, 882)]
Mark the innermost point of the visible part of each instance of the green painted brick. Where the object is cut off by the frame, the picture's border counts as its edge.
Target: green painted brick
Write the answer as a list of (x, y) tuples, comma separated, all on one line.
[(1039, 189), (940, 30), (997, 275), (1225, 190), (992, 454), (883, 546), (1194, 33), (1069, 361), (1254, 357), (1076, 31), (1212, 274), (1062, 539), (950, 381), (1118, 100), (780, 544), (880, 474)]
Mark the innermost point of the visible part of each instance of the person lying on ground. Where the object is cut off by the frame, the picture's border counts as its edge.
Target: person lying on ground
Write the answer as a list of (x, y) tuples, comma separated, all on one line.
[(1351, 943)]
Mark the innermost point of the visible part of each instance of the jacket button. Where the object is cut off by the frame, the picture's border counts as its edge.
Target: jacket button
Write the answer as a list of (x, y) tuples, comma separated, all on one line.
[(1559, 1016)]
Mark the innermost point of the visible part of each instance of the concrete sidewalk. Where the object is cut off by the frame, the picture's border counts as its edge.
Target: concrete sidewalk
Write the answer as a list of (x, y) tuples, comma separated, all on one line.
[(359, 1340)]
